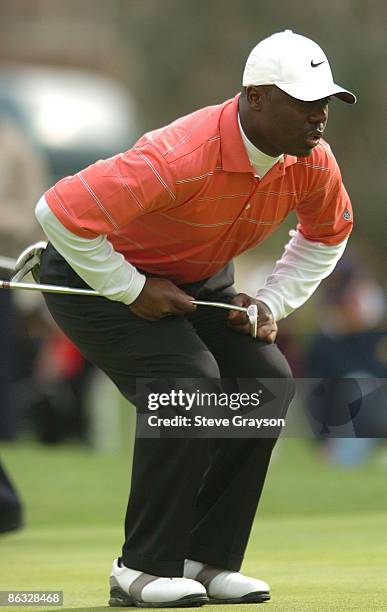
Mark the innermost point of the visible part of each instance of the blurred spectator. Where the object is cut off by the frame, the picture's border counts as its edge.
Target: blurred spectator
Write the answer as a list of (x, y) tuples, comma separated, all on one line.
[(48, 393), (22, 179), (57, 391), (350, 354)]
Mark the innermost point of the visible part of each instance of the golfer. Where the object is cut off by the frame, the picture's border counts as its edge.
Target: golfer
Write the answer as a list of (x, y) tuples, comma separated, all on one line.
[(153, 228)]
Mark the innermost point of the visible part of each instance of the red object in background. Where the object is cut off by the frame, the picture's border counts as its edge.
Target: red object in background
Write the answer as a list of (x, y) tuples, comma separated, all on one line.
[(68, 359)]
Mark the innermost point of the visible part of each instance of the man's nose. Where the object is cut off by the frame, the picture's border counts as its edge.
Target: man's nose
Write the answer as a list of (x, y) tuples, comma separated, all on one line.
[(319, 114)]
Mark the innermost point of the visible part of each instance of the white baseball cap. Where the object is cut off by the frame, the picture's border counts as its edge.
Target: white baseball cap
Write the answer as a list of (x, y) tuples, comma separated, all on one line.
[(295, 64)]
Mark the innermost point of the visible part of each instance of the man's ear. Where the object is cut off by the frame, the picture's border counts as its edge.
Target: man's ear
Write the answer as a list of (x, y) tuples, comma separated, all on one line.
[(255, 96)]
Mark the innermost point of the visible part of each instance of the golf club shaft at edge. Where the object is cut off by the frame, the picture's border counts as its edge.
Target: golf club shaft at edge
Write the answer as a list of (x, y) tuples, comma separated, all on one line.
[(72, 291), (251, 311)]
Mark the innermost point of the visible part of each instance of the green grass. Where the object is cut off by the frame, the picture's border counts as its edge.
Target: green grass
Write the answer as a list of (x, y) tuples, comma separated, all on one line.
[(319, 537)]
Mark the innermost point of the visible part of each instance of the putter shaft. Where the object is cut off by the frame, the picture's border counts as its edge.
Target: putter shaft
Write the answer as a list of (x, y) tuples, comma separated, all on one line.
[(73, 291), (46, 288), (251, 311), (220, 305)]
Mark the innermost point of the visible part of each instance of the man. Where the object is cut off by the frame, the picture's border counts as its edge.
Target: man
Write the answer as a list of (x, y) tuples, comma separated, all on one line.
[(158, 225)]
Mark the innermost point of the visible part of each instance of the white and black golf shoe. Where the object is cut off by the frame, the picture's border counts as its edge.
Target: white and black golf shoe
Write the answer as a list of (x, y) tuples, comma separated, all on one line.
[(129, 587), (225, 587)]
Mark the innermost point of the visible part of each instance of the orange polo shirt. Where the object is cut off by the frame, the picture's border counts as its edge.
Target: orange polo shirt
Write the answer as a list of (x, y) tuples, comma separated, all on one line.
[(184, 200)]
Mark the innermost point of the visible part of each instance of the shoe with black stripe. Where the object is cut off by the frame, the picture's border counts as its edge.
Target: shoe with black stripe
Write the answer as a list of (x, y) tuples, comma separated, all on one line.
[(130, 587)]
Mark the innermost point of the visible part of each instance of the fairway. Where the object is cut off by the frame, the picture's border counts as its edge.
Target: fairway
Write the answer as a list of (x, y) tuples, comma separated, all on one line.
[(319, 537)]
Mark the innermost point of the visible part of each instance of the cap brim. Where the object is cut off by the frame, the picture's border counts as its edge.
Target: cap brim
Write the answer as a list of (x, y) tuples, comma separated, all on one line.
[(305, 92)]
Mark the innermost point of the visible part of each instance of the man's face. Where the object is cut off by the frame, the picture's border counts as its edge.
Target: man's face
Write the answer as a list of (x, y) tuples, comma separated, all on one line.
[(285, 124)]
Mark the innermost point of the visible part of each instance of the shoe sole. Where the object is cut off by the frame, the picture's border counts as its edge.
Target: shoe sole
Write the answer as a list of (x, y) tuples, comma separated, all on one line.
[(120, 599), (255, 597)]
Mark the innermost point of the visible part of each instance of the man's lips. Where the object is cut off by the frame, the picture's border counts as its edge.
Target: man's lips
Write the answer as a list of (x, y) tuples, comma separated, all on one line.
[(313, 138)]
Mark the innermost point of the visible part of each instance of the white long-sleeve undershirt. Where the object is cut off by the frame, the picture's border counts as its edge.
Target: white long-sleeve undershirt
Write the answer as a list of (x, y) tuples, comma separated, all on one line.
[(298, 273), (303, 265)]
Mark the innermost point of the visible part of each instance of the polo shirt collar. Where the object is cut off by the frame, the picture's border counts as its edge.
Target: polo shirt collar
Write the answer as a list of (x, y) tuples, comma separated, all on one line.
[(233, 150)]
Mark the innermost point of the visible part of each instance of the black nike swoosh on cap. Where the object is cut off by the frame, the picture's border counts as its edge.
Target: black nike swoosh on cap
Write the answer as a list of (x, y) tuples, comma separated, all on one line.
[(315, 65)]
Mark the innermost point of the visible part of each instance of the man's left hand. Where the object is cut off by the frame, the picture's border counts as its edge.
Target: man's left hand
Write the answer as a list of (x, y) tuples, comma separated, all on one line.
[(266, 329)]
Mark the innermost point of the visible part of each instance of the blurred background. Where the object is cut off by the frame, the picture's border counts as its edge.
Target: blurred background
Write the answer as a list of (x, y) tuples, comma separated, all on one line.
[(80, 81)]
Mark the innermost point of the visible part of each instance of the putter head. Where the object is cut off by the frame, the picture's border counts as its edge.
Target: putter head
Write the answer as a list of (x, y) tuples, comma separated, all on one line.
[(29, 261), (252, 314)]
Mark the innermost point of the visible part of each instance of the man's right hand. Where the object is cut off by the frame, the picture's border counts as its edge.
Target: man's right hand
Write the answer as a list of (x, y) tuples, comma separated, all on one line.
[(160, 298)]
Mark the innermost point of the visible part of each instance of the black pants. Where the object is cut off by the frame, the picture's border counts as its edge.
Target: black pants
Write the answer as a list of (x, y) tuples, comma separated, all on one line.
[(192, 498)]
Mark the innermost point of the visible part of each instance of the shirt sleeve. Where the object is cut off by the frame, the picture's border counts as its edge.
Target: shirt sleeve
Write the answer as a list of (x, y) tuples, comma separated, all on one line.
[(94, 260), (296, 276), (325, 214), (106, 196)]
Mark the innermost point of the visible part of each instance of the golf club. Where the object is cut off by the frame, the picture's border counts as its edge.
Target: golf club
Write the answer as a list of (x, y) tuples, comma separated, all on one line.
[(251, 311), (29, 261)]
